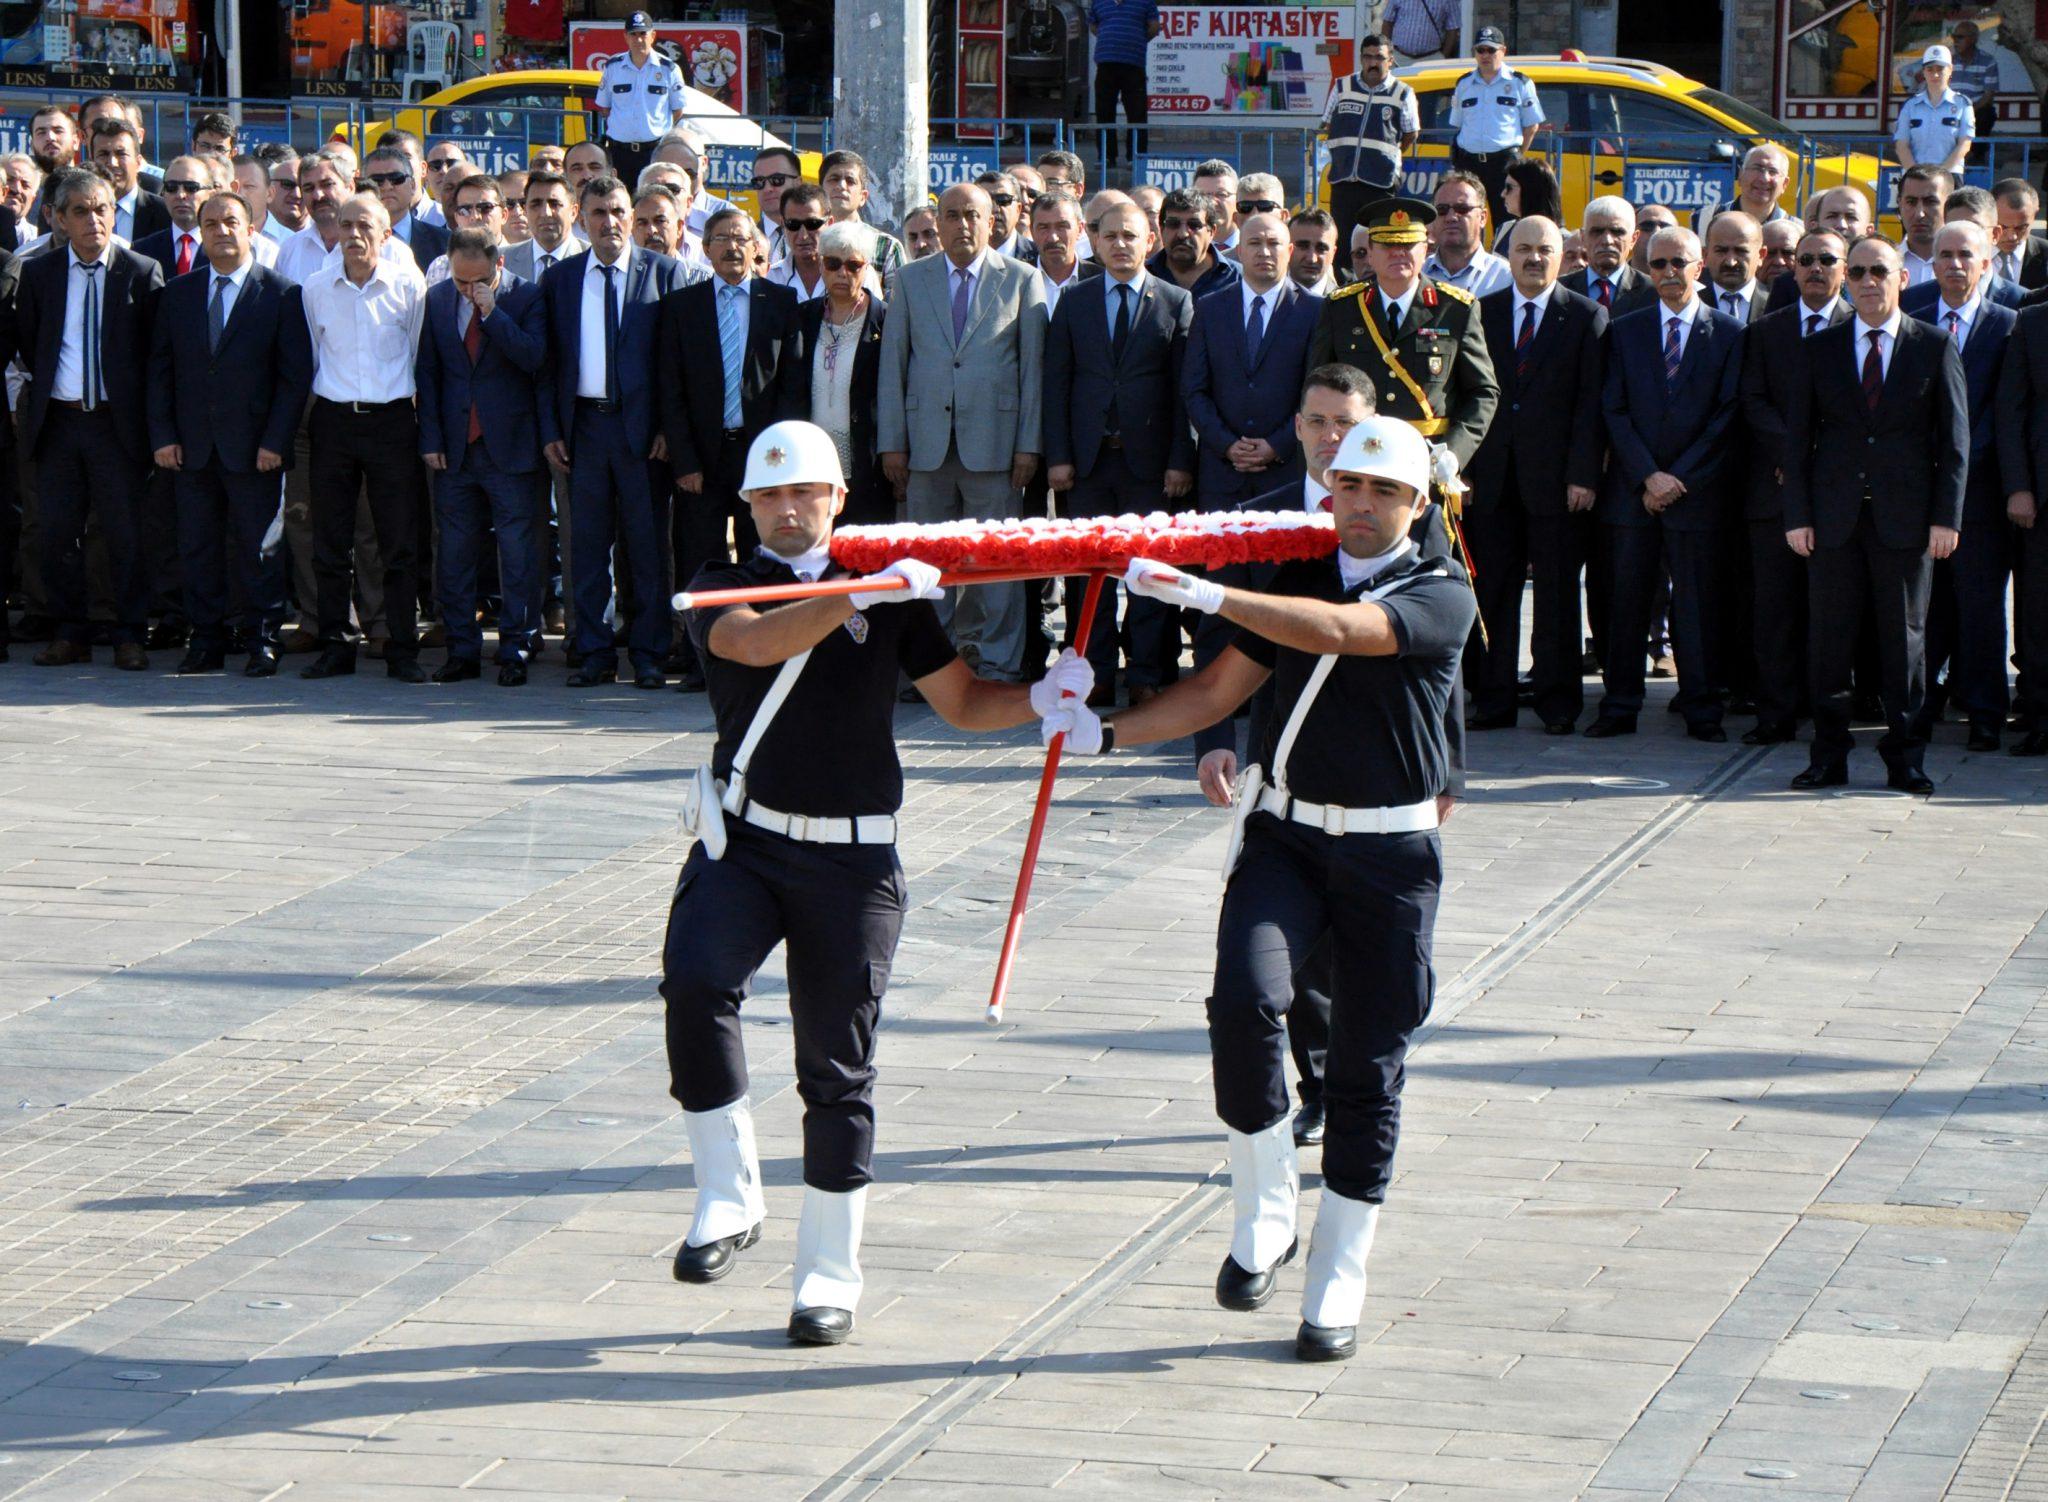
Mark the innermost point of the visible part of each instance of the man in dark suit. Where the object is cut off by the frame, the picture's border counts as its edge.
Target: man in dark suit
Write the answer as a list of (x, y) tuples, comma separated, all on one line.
[(1877, 443), (2023, 469), (1843, 211), (2020, 255), (603, 425), (390, 171), (177, 247), (1966, 600), (230, 368), (1608, 232), (1734, 250), (732, 360), (1772, 352), (117, 151), (83, 416), (1533, 483), (1116, 427), (1672, 378), (481, 352)]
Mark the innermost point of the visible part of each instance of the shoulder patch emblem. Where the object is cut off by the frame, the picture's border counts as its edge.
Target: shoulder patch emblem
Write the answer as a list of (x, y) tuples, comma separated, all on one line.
[(857, 626), (1352, 289), (1458, 292)]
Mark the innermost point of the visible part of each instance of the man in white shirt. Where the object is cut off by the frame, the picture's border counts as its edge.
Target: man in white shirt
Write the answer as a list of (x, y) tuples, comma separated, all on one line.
[(684, 243), (1055, 232), (1735, 248), (684, 148), (1459, 257), (323, 190), (364, 312), (1312, 239), (1923, 193), (551, 227), (804, 216)]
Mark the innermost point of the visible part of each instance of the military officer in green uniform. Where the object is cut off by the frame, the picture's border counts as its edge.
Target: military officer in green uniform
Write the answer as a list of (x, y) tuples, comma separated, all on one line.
[(1419, 340)]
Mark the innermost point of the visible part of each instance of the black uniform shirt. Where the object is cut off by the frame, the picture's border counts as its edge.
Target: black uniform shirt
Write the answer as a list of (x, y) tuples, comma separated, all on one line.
[(831, 752), (1379, 734)]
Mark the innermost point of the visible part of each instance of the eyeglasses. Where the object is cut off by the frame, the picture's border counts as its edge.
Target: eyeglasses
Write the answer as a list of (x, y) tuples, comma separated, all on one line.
[(1002, 200), (1319, 424), (1462, 210), (1257, 206), (1809, 259), (1170, 222), (284, 185), (773, 180), (1667, 263), (183, 185), (802, 226), (845, 263), (739, 238), (1858, 273), (390, 179), (477, 210), (443, 163)]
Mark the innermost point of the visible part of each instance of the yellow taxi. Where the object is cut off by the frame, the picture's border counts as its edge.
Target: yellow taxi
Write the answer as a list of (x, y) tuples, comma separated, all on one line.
[(1637, 129), (501, 117)]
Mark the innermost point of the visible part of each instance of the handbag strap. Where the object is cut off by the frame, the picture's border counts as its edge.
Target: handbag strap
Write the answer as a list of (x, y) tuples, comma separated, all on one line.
[(771, 704)]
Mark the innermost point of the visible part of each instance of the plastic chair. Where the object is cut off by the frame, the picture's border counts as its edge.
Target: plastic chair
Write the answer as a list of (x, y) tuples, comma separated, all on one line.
[(430, 50)]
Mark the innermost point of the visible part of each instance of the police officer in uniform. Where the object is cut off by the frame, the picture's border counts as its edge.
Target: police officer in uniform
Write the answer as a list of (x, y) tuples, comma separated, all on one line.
[(1936, 127), (1371, 122), (642, 96), (796, 826), (1494, 112), (1339, 838)]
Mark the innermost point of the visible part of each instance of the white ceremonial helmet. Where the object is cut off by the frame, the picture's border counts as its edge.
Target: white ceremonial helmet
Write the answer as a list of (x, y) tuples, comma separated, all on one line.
[(1388, 448), (792, 453)]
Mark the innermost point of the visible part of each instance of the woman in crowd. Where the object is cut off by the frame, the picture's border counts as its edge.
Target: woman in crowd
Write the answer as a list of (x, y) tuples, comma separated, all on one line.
[(1531, 192), (843, 331)]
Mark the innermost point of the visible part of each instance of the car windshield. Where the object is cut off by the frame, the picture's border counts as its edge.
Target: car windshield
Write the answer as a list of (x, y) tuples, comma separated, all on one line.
[(1752, 119)]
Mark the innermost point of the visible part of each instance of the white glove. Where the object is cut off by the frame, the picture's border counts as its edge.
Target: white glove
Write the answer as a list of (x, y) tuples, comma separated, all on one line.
[(920, 582), (1080, 724), (1070, 677), (1443, 469), (1162, 581)]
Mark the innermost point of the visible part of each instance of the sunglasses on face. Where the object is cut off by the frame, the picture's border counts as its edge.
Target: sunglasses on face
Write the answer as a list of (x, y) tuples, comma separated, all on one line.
[(1183, 224), (1809, 259), (441, 163), (1002, 200), (773, 180), (803, 226), (183, 185), (390, 179), (845, 263), (475, 210), (1858, 273), (1668, 263), (1257, 206)]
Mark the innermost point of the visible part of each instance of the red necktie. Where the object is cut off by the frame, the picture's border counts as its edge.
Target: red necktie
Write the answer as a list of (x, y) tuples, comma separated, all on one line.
[(1523, 339), (184, 254), (1605, 289), (1325, 504), (473, 341)]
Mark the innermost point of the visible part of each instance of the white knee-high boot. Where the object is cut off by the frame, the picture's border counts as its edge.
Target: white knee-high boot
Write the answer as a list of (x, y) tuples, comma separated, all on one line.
[(729, 1201), (1265, 1183), (827, 1274), (1334, 1294)]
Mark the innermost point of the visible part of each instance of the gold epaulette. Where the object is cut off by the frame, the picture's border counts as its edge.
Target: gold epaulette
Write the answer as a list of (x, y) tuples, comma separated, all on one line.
[(1351, 289), (1458, 292)]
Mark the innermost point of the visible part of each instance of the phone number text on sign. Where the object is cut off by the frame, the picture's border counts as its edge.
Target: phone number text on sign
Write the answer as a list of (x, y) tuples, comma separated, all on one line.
[(1248, 59)]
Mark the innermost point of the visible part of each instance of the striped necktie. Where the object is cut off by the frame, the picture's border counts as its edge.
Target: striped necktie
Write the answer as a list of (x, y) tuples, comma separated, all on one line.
[(1673, 354), (731, 349)]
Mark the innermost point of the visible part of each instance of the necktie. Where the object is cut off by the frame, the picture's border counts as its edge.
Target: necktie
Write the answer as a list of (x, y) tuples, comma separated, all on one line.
[(91, 332), (1955, 328), (1522, 339), (1812, 323), (217, 312), (184, 254), (473, 343), (547, 260), (730, 349), (1672, 353), (1121, 334), (1604, 290), (1326, 504), (1393, 316), (2006, 268), (1873, 369), (1255, 326), (962, 284), (1731, 304), (611, 332)]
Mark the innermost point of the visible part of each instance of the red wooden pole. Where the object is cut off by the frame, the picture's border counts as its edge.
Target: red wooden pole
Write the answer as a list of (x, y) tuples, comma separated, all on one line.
[(1015, 929)]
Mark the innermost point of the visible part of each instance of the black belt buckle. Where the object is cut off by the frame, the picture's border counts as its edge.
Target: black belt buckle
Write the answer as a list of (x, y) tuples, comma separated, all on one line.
[(597, 404)]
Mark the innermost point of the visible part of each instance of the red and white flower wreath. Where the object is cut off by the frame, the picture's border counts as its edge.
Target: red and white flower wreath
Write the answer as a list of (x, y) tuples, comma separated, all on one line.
[(1062, 546)]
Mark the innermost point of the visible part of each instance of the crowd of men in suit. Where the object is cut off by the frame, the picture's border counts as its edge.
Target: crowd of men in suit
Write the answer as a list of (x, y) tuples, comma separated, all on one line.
[(255, 391)]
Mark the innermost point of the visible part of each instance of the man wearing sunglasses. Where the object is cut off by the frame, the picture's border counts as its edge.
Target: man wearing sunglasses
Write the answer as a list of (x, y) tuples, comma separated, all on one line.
[(1770, 365), (443, 168), (1006, 236), (776, 170), (177, 248), (1673, 376), (389, 170), (804, 217), (1460, 258)]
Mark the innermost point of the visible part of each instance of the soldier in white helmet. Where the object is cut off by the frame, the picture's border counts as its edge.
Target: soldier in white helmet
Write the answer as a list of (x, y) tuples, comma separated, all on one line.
[(1337, 835), (796, 826)]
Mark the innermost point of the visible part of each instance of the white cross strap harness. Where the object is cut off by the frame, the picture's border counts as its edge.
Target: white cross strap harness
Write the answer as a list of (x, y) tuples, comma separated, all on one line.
[(707, 800), (1255, 795)]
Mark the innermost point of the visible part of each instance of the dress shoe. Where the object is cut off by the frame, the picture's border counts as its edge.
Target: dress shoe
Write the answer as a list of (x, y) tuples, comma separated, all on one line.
[(1609, 726), (1308, 1124), (376, 647), (298, 639), (690, 681), (1505, 720), (405, 669), (1983, 736), (1909, 780), (512, 675), (592, 672), (1324, 1343), (1821, 775), (333, 662), (458, 669), (262, 663), (168, 636), (649, 677), (820, 1327), (1767, 735), (62, 654), (1243, 1291), (1712, 734), (198, 659), (130, 657), (2033, 743), (713, 1260), (1559, 727)]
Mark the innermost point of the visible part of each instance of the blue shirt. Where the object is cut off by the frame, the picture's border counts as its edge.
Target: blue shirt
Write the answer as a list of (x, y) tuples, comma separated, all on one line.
[(641, 102), (1492, 116), (1111, 299), (1122, 28), (1221, 274), (1935, 127)]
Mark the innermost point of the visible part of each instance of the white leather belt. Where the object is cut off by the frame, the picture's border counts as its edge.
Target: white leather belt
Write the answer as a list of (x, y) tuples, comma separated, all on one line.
[(867, 829), (1332, 819)]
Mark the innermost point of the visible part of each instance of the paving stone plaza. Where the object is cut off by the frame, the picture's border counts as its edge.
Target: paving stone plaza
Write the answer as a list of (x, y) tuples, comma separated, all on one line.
[(336, 1162)]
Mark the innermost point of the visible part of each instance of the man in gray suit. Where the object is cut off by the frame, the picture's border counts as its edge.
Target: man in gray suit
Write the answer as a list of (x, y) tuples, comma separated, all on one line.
[(959, 399)]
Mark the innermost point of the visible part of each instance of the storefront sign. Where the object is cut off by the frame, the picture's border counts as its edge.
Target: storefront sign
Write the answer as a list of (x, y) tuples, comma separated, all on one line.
[(1248, 59), (949, 166), (1682, 187), (713, 58), (1168, 172), (1888, 185)]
